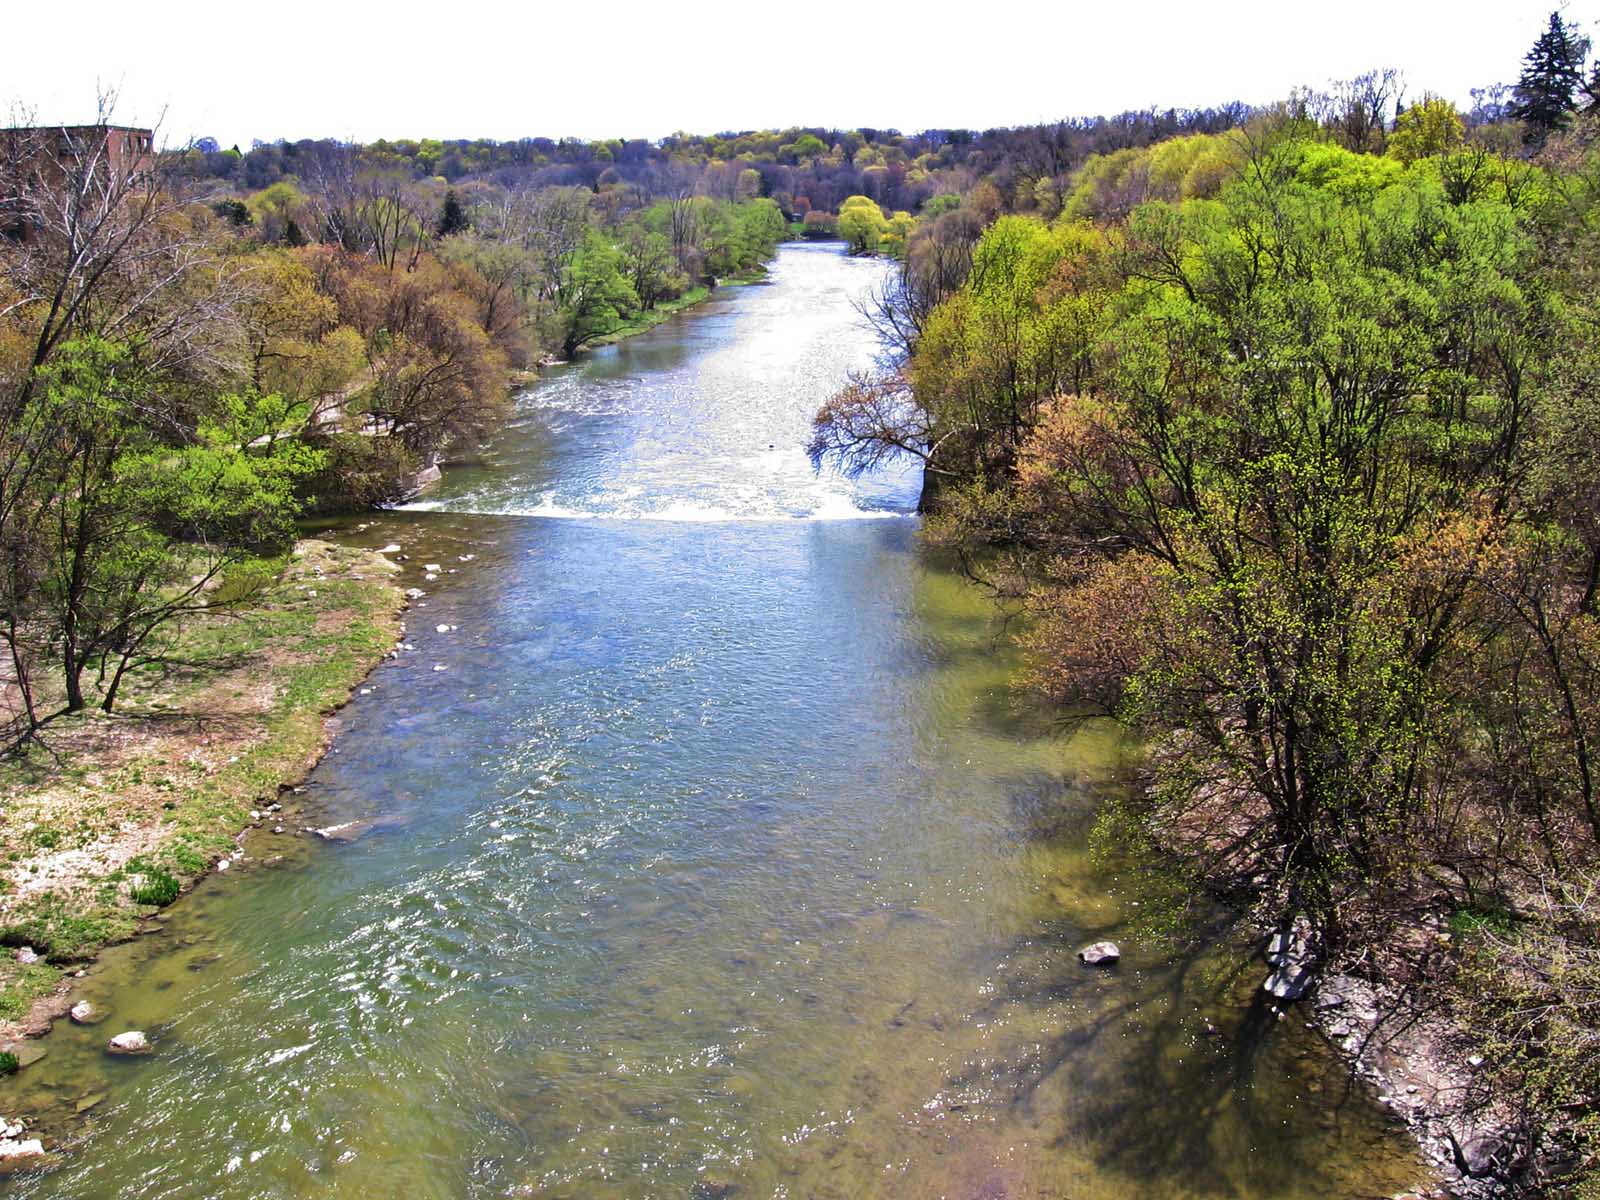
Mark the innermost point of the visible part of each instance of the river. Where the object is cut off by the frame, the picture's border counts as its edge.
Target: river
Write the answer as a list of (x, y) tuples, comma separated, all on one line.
[(713, 857)]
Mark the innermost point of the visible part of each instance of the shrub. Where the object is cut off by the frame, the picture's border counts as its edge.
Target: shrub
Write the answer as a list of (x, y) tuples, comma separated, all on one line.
[(156, 886)]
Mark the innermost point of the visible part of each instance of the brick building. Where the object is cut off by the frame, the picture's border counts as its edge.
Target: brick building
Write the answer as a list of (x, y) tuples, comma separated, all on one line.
[(45, 155)]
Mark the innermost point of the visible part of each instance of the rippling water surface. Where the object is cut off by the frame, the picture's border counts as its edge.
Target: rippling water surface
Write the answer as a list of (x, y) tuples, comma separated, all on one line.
[(717, 861)]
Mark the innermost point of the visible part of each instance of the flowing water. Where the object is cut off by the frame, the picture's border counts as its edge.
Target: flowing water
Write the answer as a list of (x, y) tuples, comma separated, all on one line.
[(718, 860)]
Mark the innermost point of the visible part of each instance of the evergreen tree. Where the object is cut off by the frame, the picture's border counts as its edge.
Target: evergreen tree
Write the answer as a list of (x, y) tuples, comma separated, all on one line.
[(453, 217), (1552, 74)]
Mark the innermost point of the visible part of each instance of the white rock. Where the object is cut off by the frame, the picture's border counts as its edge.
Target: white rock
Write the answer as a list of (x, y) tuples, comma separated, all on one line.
[(223, 864), (15, 1151), (432, 567), (391, 548), (83, 1013), (415, 593), (26, 955), (443, 628), (440, 667), (1100, 954), (132, 1042)]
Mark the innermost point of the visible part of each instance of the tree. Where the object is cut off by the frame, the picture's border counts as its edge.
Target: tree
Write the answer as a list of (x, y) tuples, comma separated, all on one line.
[(862, 224), (649, 265), (138, 519), (452, 216), (593, 295), (1552, 73), (1307, 461), (1430, 128)]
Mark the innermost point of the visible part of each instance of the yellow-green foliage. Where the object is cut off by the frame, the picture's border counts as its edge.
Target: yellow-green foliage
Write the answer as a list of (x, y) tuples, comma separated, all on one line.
[(1181, 168), (1430, 126)]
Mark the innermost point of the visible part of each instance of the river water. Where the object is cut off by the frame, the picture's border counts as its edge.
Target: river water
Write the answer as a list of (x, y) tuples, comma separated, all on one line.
[(713, 857)]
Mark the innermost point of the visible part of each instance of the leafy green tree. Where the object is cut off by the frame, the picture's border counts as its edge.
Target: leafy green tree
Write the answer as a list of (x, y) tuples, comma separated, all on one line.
[(1430, 128), (862, 224), (649, 265), (594, 295), (140, 518)]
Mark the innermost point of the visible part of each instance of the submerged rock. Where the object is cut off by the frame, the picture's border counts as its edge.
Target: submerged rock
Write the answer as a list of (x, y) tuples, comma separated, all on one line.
[(27, 1051), (132, 1042), (93, 1100), (1100, 954), (348, 831)]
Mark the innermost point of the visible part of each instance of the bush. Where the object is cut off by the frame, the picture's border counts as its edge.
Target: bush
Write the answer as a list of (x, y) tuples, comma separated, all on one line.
[(8, 1063)]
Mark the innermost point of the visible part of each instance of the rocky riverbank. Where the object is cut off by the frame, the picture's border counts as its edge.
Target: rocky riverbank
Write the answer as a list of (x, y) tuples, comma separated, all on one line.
[(114, 815)]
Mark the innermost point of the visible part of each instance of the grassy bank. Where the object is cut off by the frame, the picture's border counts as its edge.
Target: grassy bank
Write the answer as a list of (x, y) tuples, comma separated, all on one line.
[(115, 814), (667, 309)]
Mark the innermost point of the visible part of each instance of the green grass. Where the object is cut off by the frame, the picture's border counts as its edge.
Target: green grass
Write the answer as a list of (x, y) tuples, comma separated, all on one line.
[(33, 980), (1482, 918), (667, 309), (156, 886)]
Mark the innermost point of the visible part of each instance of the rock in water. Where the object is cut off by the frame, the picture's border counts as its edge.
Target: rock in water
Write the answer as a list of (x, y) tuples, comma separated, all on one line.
[(84, 1013), (1290, 982), (1101, 954), (132, 1042), (16, 1152)]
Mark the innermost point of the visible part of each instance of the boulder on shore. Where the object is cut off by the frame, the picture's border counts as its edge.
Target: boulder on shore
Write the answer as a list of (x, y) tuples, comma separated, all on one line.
[(1100, 954), (1479, 1155), (132, 1042)]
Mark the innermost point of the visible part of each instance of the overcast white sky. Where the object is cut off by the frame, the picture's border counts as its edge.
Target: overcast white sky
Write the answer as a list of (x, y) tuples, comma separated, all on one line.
[(458, 68)]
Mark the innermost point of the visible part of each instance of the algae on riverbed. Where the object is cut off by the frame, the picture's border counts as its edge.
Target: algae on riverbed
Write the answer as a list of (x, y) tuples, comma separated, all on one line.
[(98, 816)]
